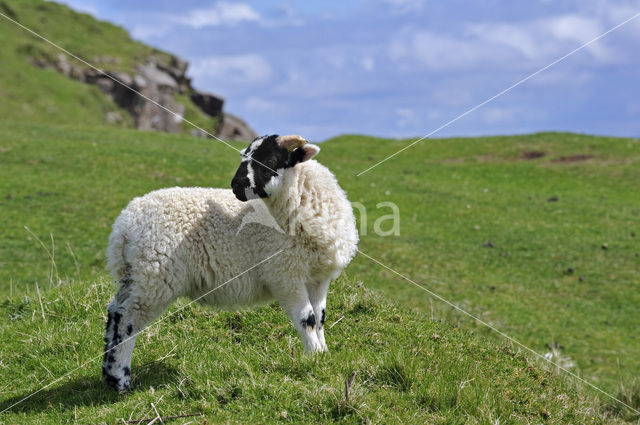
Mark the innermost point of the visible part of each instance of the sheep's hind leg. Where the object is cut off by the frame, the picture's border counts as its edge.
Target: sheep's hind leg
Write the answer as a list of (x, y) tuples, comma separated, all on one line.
[(127, 316), (116, 368), (295, 302)]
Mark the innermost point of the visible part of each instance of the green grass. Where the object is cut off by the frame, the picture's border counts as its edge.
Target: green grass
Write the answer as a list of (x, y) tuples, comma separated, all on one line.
[(249, 367), (31, 94), (476, 227), (454, 196), (98, 42), (194, 115), (75, 187)]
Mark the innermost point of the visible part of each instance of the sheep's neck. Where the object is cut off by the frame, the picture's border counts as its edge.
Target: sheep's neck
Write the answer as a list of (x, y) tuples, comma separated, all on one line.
[(298, 205)]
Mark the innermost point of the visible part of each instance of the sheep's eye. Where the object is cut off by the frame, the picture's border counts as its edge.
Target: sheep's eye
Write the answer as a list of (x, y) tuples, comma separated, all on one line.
[(270, 163)]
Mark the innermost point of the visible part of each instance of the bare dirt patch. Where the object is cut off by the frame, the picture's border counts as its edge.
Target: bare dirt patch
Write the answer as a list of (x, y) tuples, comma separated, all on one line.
[(573, 158), (453, 160), (532, 154)]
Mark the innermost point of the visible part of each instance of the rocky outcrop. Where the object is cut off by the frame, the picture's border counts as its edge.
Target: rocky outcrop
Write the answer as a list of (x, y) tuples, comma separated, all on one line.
[(177, 68), (234, 128), (152, 102), (209, 103)]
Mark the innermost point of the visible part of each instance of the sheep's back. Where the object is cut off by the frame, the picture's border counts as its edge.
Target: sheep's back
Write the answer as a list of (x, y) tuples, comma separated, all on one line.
[(175, 231)]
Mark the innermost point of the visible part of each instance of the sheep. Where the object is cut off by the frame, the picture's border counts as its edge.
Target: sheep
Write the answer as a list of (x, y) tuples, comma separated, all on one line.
[(216, 246)]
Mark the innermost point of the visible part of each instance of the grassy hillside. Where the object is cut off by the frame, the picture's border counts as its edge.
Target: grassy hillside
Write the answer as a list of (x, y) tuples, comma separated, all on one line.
[(249, 367), (33, 94), (481, 228), (476, 227)]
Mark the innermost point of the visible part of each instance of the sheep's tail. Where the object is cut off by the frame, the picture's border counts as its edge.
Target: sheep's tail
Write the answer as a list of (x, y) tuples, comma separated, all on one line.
[(116, 261)]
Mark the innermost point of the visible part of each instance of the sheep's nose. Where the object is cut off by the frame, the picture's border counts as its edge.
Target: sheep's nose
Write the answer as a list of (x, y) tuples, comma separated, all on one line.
[(239, 191)]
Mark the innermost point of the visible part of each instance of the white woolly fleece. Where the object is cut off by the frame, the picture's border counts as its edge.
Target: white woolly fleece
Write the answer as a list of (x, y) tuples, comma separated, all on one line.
[(182, 241), (190, 241)]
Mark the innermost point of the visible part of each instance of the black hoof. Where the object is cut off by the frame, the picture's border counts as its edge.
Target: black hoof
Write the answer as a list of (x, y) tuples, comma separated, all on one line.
[(121, 385)]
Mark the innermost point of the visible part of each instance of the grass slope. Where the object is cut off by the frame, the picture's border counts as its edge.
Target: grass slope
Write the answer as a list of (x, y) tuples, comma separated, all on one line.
[(32, 94), (249, 367), (478, 228), (454, 196)]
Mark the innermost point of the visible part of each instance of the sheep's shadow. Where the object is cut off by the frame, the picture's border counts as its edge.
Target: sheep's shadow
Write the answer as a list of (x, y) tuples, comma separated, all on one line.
[(86, 390)]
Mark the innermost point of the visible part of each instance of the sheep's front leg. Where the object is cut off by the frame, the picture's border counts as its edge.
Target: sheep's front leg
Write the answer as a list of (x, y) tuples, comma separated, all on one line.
[(294, 299), (318, 298)]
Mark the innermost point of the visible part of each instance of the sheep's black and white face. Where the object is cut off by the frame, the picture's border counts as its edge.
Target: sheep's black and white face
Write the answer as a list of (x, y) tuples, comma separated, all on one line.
[(265, 160)]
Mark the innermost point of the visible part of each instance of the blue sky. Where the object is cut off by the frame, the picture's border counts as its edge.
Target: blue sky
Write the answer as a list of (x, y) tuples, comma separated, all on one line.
[(402, 68)]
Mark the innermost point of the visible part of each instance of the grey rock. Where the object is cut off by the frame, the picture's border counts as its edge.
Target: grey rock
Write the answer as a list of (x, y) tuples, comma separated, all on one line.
[(158, 77), (113, 117), (233, 128), (66, 66), (123, 78), (158, 82), (180, 65), (209, 103), (105, 84), (106, 60), (62, 65), (162, 113), (196, 132), (139, 82), (177, 68)]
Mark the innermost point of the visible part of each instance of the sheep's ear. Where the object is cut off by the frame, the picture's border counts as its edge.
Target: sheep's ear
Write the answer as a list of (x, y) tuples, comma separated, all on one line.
[(306, 152)]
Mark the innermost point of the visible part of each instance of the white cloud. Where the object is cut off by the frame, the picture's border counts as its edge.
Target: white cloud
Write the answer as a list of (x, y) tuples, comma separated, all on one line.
[(618, 13), (574, 27), (545, 39), (221, 13), (331, 56), (368, 63), (404, 6), (286, 15), (240, 69), (511, 45), (563, 76), (581, 30), (145, 31), (262, 105), (493, 115), (455, 94), (633, 109), (442, 52), (515, 37), (302, 84), (405, 117)]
